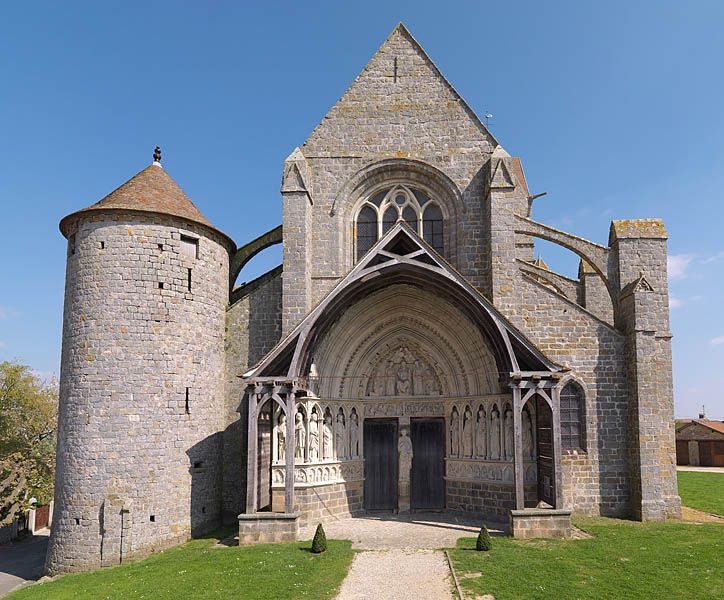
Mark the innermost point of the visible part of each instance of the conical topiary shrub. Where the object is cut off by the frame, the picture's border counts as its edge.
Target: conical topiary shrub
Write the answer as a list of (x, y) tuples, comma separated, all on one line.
[(483, 543), (319, 543)]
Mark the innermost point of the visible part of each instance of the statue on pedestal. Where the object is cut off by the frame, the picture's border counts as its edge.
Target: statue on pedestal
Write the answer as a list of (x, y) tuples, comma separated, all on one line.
[(353, 434), (495, 434), (468, 433), (314, 436), (455, 433), (481, 434), (404, 453), (282, 437), (299, 435), (327, 438), (508, 428), (340, 437)]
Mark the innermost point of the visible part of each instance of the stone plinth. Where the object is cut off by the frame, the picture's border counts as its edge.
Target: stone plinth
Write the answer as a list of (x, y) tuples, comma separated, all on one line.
[(262, 528), (540, 523)]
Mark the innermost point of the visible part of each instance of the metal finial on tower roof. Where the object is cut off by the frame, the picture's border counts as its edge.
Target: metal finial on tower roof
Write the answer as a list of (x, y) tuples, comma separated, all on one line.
[(157, 155)]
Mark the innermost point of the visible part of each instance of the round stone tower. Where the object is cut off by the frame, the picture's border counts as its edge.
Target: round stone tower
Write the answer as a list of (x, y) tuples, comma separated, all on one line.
[(141, 384)]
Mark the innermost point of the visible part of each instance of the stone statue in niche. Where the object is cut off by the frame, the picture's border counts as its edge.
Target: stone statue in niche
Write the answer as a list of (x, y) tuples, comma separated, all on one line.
[(403, 385), (418, 379), (481, 434), (282, 437), (404, 453), (454, 433), (495, 434), (353, 435), (314, 436), (327, 437), (527, 434), (468, 433), (508, 428), (431, 387), (390, 378), (378, 385), (340, 437), (299, 435)]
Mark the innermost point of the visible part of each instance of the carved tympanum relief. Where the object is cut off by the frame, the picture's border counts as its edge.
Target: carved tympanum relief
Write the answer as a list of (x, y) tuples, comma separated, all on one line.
[(403, 371)]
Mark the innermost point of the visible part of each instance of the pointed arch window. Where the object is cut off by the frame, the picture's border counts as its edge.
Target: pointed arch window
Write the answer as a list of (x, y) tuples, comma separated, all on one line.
[(366, 230), (383, 209), (573, 417)]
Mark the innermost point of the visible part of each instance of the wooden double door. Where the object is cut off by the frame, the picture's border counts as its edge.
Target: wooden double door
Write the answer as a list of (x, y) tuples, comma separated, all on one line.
[(427, 479)]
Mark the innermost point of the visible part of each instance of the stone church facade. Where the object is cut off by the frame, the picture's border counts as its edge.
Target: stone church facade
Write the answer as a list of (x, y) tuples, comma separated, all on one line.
[(409, 354)]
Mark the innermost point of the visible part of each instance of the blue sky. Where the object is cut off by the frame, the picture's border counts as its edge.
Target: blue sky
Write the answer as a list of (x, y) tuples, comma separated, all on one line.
[(615, 109)]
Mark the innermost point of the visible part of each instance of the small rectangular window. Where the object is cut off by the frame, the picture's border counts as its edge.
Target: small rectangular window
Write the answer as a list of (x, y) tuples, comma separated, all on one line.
[(160, 285), (152, 518), (103, 245), (188, 412), (189, 279), (71, 244), (189, 246)]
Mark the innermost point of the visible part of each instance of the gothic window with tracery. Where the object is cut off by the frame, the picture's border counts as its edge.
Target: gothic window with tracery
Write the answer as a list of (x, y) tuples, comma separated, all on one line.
[(383, 209), (572, 417)]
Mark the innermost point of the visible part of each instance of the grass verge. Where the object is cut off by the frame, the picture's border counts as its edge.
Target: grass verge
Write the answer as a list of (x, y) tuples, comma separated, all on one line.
[(199, 569), (703, 491), (624, 559)]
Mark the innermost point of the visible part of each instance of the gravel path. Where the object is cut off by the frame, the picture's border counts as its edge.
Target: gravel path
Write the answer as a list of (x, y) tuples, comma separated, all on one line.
[(419, 531), (398, 575), (401, 555)]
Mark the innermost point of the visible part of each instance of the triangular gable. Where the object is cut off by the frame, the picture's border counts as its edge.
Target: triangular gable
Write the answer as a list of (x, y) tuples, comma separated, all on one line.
[(399, 89), (400, 246)]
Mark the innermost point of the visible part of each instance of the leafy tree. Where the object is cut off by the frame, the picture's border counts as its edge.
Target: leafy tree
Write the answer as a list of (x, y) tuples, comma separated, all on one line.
[(319, 543), (483, 543), (28, 420)]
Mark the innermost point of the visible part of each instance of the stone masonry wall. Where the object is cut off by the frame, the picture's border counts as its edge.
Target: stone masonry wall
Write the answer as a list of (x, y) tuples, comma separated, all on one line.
[(415, 115), (321, 502), (141, 389), (253, 327), (595, 480), (482, 497)]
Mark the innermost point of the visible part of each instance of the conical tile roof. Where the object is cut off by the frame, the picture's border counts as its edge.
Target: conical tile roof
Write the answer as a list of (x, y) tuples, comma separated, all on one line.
[(151, 190)]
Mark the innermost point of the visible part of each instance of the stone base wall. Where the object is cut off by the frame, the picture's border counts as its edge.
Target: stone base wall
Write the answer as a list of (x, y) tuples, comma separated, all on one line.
[(540, 523), (324, 501), (267, 528), (495, 499)]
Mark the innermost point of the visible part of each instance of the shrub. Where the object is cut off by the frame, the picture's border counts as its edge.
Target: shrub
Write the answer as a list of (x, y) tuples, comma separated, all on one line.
[(319, 543), (483, 543)]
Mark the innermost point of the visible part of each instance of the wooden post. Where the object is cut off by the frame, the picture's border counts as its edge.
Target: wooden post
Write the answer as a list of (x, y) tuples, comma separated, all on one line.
[(519, 467), (290, 447), (251, 467), (557, 452)]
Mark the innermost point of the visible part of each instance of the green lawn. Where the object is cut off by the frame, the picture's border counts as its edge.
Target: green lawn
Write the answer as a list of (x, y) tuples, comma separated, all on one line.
[(704, 491), (624, 560), (198, 570)]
